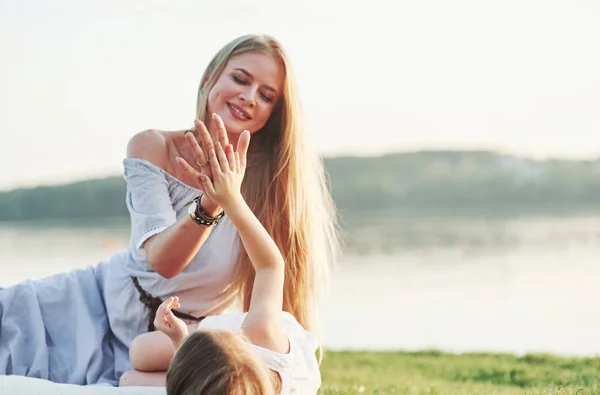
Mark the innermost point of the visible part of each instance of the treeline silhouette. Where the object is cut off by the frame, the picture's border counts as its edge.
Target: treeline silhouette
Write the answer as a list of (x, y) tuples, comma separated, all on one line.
[(420, 181)]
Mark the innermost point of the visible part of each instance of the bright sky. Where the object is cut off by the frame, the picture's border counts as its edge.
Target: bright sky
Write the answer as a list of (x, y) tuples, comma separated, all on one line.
[(79, 78)]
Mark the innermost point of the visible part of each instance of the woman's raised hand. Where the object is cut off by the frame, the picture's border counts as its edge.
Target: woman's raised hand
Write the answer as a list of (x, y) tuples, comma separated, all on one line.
[(202, 156)]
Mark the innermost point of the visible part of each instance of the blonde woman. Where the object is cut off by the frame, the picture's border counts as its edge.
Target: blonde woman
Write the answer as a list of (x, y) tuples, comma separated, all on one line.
[(77, 327), (263, 351)]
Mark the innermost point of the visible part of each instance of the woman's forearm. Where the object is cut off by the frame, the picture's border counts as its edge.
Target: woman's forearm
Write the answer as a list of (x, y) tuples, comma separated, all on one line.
[(170, 251)]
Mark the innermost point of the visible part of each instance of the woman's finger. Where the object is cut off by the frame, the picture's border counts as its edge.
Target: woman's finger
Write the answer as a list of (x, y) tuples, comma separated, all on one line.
[(214, 163), (223, 162), (209, 189), (221, 131), (196, 149), (187, 168), (207, 141)]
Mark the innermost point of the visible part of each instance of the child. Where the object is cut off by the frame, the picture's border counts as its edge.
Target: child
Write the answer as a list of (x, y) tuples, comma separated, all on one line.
[(263, 351)]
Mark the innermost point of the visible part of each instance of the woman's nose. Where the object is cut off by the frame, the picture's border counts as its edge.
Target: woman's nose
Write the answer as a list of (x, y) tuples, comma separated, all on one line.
[(249, 96)]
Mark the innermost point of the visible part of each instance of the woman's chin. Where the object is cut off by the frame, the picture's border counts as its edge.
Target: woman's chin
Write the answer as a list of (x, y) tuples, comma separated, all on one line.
[(233, 130), (235, 127)]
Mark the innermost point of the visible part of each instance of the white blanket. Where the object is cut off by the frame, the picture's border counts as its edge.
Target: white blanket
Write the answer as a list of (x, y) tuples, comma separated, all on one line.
[(19, 385)]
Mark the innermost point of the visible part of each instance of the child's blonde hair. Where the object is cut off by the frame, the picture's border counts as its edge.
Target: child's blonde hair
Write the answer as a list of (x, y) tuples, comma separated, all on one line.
[(219, 362)]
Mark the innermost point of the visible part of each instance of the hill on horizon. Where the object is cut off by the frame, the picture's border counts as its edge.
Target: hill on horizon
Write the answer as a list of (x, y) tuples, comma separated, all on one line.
[(419, 180)]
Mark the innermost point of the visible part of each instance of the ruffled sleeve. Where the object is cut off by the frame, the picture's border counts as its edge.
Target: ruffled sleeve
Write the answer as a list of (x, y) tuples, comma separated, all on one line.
[(148, 200)]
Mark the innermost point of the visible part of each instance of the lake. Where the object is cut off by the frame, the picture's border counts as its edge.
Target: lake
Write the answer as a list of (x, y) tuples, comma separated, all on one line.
[(455, 283)]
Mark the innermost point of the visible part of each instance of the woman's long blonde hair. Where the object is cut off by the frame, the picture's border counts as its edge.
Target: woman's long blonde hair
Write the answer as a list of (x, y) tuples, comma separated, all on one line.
[(285, 187)]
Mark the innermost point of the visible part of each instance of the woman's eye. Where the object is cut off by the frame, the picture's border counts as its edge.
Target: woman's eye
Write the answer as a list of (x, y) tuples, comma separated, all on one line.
[(239, 80), (267, 98)]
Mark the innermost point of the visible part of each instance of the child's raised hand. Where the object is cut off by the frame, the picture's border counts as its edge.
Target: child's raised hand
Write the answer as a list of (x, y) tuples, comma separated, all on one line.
[(228, 168), (166, 321)]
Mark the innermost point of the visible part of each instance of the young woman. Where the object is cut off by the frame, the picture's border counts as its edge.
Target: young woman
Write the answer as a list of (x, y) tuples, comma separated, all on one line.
[(77, 327), (263, 351)]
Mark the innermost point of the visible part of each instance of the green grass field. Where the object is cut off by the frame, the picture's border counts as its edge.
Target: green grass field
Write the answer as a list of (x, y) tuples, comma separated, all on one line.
[(433, 372)]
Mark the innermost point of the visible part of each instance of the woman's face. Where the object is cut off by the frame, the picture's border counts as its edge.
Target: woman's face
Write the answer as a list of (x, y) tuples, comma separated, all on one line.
[(245, 93)]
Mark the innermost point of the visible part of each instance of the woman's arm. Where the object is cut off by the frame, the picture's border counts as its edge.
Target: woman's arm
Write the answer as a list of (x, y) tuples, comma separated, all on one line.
[(170, 251)]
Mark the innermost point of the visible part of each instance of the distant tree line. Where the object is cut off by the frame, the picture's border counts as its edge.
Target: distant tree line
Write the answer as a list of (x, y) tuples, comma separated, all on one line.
[(425, 180)]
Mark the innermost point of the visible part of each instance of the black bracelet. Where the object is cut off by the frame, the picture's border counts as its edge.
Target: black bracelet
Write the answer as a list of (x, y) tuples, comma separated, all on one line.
[(201, 217)]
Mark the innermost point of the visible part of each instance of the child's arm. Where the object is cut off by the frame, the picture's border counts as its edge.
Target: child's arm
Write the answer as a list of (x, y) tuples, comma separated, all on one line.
[(153, 351), (167, 323), (263, 323)]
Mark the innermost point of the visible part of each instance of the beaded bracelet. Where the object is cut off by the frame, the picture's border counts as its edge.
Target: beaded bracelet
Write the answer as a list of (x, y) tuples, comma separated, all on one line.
[(200, 216)]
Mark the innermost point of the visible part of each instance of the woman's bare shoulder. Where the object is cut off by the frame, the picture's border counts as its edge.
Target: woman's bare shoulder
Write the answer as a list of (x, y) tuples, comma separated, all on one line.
[(151, 145)]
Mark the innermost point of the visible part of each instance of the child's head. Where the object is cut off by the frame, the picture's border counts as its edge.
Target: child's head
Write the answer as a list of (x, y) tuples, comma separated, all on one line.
[(217, 362)]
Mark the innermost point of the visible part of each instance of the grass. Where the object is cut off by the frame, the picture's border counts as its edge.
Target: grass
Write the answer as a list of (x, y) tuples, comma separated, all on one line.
[(433, 372)]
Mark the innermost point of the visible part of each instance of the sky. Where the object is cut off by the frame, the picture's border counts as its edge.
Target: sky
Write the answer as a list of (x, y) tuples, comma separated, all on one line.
[(79, 78)]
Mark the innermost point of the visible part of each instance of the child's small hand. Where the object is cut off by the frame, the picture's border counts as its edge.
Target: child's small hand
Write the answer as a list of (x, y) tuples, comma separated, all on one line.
[(166, 321), (228, 168)]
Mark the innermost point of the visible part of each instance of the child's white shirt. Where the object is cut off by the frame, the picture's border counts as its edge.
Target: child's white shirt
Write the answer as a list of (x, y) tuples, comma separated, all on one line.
[(298, 369)]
